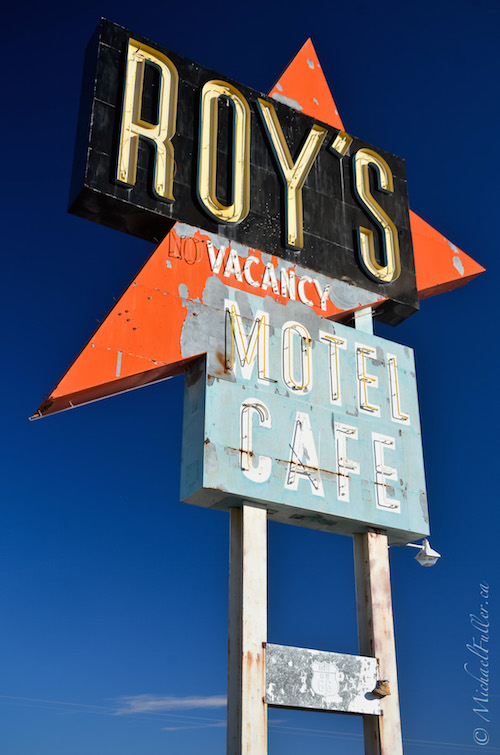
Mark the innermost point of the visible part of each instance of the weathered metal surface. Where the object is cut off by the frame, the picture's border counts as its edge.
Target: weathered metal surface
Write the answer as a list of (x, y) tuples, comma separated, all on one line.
[(303, 82), (246, 706), (162, 319), (316, 420), (376, 638), (317, 680), (331, 207)]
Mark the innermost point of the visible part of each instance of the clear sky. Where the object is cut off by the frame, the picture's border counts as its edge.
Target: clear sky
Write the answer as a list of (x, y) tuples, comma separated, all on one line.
[(113, 594)]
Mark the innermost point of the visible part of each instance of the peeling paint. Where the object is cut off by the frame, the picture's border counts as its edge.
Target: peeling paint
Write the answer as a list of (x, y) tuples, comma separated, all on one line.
[(458, 265), (184, 231), (346, 297), (287, 101), (316, 680), (211, 458), (310, 63), (119, 356), (301, 471)]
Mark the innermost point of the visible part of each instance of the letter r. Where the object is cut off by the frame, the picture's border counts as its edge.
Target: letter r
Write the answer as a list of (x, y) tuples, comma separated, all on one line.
[(134, 126)]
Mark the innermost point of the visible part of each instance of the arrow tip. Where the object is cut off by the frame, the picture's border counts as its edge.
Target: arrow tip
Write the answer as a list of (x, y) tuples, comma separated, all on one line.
[(303, 86)]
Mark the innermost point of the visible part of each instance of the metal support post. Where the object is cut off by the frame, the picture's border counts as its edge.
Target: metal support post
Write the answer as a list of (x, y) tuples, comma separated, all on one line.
[(375, 622), (376, 638), (246, 706), (363, 320)]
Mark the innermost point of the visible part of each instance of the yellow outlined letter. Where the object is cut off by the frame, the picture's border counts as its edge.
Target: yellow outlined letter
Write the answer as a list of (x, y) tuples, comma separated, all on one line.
[(294, 174), (207, 158), (390, 270), (133, 126)]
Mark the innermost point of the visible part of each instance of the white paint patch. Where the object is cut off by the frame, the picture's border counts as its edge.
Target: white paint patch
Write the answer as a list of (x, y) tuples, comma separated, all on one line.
[(287, 101), (279, 87), (315, 100), (211, 462), (310, 63), (458, 265)]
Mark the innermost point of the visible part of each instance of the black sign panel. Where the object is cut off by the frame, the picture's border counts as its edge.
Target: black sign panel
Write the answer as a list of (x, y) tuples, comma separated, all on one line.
[(161, 139)]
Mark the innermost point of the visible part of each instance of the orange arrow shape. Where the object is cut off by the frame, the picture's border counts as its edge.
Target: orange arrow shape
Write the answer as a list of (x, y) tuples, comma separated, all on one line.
[(142, 339)]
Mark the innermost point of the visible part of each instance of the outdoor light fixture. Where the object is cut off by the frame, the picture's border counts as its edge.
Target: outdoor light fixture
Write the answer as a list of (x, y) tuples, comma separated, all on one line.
[(426, 555)]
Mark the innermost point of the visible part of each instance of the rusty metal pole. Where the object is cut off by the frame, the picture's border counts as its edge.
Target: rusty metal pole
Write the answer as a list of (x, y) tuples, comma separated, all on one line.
[(246, 707), (375, 621), (376, 638)]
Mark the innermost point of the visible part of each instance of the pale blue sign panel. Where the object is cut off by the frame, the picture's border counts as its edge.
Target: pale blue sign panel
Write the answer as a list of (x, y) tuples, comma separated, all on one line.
[(314, 420)]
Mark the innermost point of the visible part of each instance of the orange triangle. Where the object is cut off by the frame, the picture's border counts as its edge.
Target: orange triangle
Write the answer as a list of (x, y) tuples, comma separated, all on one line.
[(303, 86), (439, 265)]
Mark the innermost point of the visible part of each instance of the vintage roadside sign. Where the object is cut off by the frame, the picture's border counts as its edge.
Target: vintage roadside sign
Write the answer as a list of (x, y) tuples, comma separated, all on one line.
[(284, 224), (142, 339), (314, 420), (274, 228)]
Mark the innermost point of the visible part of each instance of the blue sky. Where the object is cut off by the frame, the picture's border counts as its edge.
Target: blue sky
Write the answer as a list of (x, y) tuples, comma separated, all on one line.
[(114, 595)]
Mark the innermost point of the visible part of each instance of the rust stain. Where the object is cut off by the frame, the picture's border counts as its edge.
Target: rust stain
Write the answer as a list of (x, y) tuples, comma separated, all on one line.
[(220, 357)]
